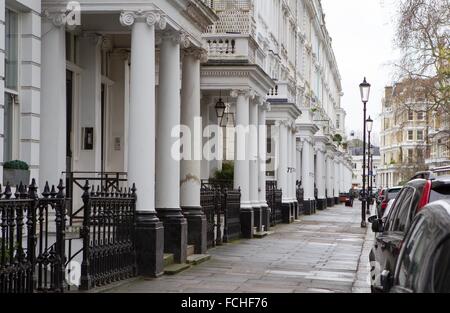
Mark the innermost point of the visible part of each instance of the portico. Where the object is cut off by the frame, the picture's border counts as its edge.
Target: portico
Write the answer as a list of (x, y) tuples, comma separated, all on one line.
[(244, 87), (113, 119)]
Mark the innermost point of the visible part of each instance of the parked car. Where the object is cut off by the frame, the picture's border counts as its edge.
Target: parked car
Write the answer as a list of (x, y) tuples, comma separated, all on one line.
[(423, 265), (391, 232), (387, 195), (346, 198)]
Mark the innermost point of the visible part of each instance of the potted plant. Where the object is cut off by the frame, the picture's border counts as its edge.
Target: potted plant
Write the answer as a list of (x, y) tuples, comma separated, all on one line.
[(16, 172)]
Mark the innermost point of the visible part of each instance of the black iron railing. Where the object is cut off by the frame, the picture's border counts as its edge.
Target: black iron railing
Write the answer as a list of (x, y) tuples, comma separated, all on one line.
[(214, 216), (274, 201), (32, 253), (108, 249), (222, 206), (75, 182), (231, 206), (300, 199)]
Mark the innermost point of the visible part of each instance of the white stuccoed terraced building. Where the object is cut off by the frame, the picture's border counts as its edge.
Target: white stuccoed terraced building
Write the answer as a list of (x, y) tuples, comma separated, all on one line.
[(99, 92)]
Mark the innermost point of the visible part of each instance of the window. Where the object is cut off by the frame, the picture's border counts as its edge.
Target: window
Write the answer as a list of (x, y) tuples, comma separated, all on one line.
[(441, 268), (420, 116), (72, 48), (420, 135), (400, 220), (11, 110), (410, 115), (410, 155), (11, 50), (355, 166), (410, 135), (338, 121), (416, 247), (439, 192)]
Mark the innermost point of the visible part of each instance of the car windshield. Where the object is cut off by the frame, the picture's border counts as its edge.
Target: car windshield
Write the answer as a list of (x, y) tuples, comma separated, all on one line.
[(440, 192)]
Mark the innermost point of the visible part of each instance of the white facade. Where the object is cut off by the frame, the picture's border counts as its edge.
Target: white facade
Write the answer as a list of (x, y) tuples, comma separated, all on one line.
[(107, 95)]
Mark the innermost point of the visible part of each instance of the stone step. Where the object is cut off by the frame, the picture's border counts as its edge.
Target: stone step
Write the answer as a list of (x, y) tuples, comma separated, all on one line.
[(197, 259), (174, 269), (168, 259), (260, 235), (190, 250)]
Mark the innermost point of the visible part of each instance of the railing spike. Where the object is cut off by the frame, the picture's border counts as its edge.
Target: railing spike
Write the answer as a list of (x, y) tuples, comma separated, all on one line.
[(61, 189), (8, 192), (17, 192), (53, 192)]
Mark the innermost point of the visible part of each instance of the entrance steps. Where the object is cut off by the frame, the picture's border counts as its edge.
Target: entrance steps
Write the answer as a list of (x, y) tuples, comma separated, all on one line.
[(171, 268)]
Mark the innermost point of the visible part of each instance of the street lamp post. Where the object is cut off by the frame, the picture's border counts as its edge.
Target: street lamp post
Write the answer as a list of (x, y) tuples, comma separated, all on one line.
[(369, 123), (365, 93)]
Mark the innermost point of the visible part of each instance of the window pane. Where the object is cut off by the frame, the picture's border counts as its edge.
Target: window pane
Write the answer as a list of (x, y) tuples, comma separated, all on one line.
[(11, 50), (407, 257), (441, 275), (439, 193), (8, 130), (401, 218)]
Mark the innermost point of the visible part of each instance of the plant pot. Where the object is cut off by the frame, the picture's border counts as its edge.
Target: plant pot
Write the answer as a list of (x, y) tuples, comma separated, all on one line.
[(15, 177)]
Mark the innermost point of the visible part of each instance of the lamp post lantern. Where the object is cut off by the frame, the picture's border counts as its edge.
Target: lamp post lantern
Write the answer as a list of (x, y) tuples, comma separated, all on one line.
[(369, 123), (365, 93)]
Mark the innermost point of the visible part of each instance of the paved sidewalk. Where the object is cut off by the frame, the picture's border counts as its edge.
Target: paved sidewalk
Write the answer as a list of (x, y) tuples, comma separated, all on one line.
[(321, 253)]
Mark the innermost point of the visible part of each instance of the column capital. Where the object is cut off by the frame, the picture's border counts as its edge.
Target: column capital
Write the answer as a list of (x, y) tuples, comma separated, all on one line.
[(107, 43), (58, 19), (247, 93), (151, 18), (177, 37), (197, 53), (265, 106)]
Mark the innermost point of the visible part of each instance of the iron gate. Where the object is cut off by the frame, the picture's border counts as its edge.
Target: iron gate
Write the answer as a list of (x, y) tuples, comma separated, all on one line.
[(40, 238), (222, 207), (274, 201)]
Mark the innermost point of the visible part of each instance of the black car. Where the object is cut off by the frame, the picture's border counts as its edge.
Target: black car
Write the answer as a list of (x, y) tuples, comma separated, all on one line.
[(423, 265), (390, 234)]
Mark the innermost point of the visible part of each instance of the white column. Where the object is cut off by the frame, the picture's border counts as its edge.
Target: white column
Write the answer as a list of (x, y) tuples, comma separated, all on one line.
[(2, 82), (53, 104), (336, 177), (312, 171), (293, 165), (299, 160), (141, 143), (205, 164), (168, 167), (191, 118), (242, 165), (262, 147), (253, 151), (330, 176), (321, 177), (289, 163), (283, 162), (307, 180)]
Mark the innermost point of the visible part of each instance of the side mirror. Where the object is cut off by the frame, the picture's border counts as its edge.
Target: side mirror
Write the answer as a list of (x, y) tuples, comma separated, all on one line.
[(386, 280), (377, 224)]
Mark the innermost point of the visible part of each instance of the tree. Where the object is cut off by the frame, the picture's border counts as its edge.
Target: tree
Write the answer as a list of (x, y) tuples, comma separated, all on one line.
[(423, 36)]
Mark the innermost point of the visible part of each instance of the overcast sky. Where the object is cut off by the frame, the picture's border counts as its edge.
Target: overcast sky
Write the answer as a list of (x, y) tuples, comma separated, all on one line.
[(363, 34)]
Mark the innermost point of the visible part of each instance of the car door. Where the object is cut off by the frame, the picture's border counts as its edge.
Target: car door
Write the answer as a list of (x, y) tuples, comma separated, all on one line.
[(389, 242)]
